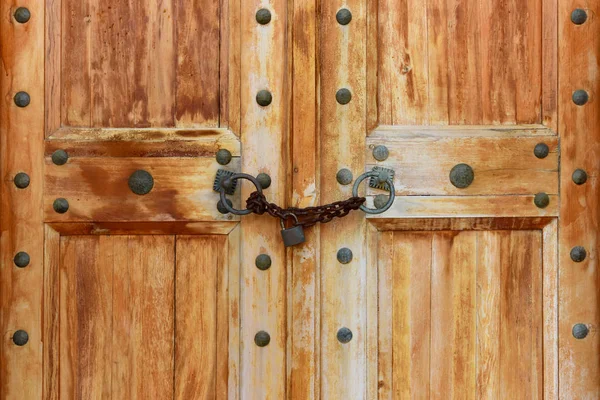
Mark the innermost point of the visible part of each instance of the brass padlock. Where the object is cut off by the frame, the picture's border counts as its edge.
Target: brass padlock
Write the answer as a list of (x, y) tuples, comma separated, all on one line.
[(294, 235)]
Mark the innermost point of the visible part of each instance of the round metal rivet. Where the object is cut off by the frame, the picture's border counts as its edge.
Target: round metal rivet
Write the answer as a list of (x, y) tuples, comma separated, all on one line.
[(381, 153), (263, 16), (580, 331), (344, 255), (22, 99), (579, 177), (221, 208), (578, 16), (21, 180), (264, 98), (344, 335), (263, 262), (22, 15), (462, 175), (541, 200), (141, 182), (262, 339), (21, 259), (580, 97), (380, 201), (541, 150), (578, 253), (20, 338), (343, 16), (344, 176), (61, 205), (264, 180), (223, 156), (343, 96), (60, 157)]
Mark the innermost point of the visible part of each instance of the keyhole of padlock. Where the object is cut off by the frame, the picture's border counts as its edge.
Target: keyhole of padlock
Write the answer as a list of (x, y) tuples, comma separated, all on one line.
[(294, 235)]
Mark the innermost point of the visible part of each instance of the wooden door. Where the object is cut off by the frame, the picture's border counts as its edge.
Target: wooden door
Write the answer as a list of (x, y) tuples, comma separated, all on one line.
[(481, 284)]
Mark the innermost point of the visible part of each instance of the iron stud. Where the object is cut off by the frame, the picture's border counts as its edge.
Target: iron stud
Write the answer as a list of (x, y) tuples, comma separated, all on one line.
[(344, 335), (343, 16), (381, 153), (22, 15), (580, 97), (263, 16), (223, 156), (541, 200), (343, 96), (344, 255), (580, 331), (262, 339), (22, 99), (21, 180), (579, 176), (20, 338), (578, 16), (578, 254), (264, 180), (264, 98), (61, 205), (141, 182), (21, 259), (541, 150), (344, 176), (462, 175), (263, 262), (60, 157)]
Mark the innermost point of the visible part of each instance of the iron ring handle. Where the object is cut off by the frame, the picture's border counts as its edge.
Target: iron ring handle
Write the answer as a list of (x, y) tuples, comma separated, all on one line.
[(390, 201), (224, 199)]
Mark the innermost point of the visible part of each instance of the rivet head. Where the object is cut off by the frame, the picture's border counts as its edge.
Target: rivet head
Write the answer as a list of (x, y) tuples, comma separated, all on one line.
[(21, 259), (462, 175), (21, 180), (61, 205), (22, 99), (580, 97), (343, 96), (541, 150), (264, 98), (22, 15), (580, 331), (264, 180), (263, 262), (579, 177), (222, 208), (60, 157), (343, 16), (344, 176), (263, 16), (578, 16), (578, 253), (380, 201), (20, 338), (381, 153), (541, 200), (344, 255), (223, 156), (141, 182), (262, 339), (344, 335)]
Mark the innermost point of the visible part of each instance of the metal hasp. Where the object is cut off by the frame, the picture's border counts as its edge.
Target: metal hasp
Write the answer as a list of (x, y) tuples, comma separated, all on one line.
[(384, 178)]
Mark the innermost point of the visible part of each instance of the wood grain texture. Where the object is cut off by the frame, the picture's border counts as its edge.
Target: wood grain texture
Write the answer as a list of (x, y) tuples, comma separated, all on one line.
[(264, 66), (51, 322), (506, 166), (445, 62), (579, 127), (21, 229), (99, 191), (342, 52)]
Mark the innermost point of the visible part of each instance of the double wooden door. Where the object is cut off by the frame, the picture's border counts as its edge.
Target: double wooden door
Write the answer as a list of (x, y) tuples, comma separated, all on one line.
[(481, 281)]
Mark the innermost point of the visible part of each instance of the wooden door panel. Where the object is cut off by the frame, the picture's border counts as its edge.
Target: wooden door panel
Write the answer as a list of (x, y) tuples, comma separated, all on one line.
[(461, 315)]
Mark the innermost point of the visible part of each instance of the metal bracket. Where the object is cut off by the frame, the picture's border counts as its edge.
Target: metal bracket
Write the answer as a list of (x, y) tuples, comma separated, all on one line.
[(376, 183), (222, 175)]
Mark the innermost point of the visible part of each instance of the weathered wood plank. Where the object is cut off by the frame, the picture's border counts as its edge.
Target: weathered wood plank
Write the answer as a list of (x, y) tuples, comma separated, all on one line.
[(51, 322), (461, 223), (385, 330), (550, 306), (144, 228)]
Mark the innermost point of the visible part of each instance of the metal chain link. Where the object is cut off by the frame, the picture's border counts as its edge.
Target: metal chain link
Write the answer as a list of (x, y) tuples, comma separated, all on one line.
[(258, 204)]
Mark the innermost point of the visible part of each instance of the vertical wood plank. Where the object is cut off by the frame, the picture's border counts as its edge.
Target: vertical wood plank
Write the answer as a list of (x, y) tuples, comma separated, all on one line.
[(197, 53), (264, 63), (453, 316), (142, 312), (53, 88), (579, 127), (233, 361), (411, 315), (304, 311), (385, 266), (373, 238), (550, 64), (51, 314), (197, 280), (229, 116), (21, 228), (343, 131), (550, 309)]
